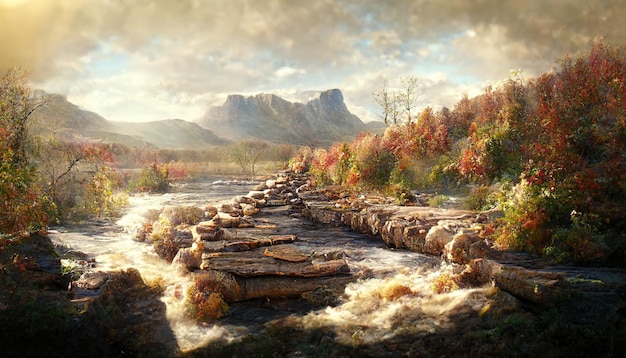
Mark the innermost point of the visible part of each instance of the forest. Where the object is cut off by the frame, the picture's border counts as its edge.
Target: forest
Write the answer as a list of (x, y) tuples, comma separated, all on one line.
[(549, 152)]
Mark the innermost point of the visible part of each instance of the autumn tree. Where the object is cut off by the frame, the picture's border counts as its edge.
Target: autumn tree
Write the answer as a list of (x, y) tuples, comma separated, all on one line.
[(20, 207)]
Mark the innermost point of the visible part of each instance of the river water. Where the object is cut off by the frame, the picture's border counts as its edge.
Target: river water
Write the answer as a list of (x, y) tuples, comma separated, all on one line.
[(389, 290)]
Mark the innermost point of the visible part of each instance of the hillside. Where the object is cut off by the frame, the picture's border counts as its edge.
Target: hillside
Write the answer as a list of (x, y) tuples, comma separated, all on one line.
[(322, 121), (67, 121)]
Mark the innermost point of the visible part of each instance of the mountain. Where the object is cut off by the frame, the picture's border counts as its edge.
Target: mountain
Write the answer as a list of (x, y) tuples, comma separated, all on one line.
[(67, 121), (323, 120), (169, 134)]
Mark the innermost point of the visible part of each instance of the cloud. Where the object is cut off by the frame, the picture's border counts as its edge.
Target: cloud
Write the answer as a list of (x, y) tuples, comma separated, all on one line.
[(199, 50)]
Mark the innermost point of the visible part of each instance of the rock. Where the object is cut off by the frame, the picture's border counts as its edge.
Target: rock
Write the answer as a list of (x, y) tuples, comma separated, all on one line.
[(205, 227), (188, 258), (459, 250), (286, 253), (249, 210), (287, 286), (436, 240), (91, 280), (254, 263), (240, 200), (256, 195), (270, 184), (415, 237), (392, 233), (540, 287), (229, 208), (455, 250), (210, 211), (478, 249), (227, 220)]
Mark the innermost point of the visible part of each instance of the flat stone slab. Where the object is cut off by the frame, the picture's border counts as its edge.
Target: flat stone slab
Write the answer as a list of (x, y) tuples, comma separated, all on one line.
[(286, 253), (255, 263)]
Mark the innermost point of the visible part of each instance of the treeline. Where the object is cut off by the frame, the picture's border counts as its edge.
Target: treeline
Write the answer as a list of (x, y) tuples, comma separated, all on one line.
[(549, 151)]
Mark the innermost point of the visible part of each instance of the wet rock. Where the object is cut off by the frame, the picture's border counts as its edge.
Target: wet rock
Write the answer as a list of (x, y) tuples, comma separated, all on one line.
[(91, 280), (189, 258), (392, 233), (539, 287), (436, 239), (460, 249), (286, 253), (254, 263), (415, 237)]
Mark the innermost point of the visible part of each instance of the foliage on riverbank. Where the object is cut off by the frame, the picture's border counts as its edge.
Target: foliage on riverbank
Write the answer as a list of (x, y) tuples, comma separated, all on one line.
[(552, 147)]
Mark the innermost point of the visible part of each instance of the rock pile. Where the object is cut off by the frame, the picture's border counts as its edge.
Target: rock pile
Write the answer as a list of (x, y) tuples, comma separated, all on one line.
[(256, 264)]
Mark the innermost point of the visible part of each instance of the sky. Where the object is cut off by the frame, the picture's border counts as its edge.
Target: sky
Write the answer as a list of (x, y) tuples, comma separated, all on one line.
[(143, 60)]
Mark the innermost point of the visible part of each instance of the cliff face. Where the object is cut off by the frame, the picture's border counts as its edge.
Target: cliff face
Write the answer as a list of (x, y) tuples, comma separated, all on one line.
[(323, 120)]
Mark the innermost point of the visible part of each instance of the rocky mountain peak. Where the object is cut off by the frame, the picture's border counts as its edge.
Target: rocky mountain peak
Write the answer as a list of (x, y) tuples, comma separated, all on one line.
[(265, 116)]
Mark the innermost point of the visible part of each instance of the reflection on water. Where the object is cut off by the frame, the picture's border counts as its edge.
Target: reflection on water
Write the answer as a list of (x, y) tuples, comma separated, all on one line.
[(389, 286)]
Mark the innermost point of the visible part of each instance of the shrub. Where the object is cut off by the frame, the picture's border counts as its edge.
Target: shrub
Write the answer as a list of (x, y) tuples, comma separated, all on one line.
[(206, 298), (481, 198), (438, 200), (153, 179)]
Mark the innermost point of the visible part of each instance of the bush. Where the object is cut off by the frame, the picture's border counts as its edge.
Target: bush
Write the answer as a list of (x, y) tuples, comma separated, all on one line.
[(206, 298), (481, 198), (154, 179)]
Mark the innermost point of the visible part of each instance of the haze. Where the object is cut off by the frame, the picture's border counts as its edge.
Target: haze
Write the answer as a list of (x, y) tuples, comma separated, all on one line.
[(149, 60)]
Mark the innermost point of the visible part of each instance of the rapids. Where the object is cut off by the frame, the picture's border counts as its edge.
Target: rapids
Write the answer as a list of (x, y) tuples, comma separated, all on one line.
[(389, 292)]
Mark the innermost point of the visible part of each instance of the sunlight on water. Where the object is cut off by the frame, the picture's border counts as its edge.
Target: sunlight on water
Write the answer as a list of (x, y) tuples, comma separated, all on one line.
[(113, 247), (394, 294), (378, 308)]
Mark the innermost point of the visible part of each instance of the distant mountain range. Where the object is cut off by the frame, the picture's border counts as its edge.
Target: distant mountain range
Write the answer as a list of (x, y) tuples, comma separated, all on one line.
[(321, 121), (68, 122), (267, 117)]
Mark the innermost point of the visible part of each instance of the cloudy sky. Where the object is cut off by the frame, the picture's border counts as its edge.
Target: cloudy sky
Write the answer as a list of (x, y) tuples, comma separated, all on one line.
[(140, 60)]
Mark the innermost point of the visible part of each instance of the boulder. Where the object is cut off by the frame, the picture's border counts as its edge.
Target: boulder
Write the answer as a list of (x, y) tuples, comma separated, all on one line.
[(270, 184), (256, 195), (249, 210), (457, 250), (210, 211), (229, 208), (436, 240), (227, 220), (540, 287)]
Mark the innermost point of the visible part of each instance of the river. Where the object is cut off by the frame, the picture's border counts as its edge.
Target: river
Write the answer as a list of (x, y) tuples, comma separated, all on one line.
[(389, 291)]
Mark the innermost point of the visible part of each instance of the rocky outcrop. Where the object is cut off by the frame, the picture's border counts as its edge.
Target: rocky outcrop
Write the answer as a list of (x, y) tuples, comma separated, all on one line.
[(250, 263), (457, 236), (453, 234), (265, 263), (323, 120)]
